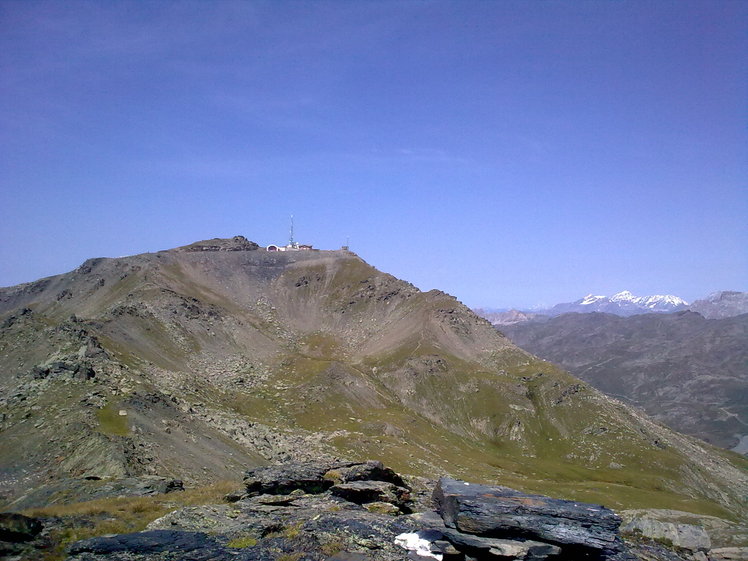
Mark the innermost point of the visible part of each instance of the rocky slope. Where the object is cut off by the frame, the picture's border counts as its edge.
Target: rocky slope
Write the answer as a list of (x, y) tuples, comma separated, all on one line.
[(509, 317), (348, 511), (684, 370), (722, 304), (196, 362)]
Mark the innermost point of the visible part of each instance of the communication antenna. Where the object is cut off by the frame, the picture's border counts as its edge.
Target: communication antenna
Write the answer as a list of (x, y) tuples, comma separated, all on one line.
[(290, 239)]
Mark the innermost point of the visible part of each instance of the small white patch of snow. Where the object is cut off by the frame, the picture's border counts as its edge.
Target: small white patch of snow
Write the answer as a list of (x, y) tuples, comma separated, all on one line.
[(414, 542)]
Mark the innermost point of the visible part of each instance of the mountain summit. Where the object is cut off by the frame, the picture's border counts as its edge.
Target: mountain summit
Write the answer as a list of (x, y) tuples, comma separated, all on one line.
[(201, 361)]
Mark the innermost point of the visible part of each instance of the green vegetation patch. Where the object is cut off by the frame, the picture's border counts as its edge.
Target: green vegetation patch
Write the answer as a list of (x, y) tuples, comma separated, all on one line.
[(111, 422), (242, 542)]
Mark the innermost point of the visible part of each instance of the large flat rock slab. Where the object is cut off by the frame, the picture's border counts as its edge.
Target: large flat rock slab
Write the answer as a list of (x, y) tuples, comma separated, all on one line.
[(504, 512), (479, 546), (283, 479), (143, 543), (316, 477)]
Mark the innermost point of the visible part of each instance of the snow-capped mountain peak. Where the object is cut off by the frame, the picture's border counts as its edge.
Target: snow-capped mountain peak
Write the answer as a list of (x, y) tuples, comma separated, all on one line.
[(661, 301), (624, 296), (649, 301), (623, 303), (590, 299)]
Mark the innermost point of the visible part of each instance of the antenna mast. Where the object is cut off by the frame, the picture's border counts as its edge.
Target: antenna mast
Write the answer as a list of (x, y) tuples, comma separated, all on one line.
[(290, 240)]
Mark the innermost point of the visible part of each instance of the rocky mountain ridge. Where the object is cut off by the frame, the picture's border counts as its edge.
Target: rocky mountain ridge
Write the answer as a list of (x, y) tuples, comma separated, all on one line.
[(196, 364)]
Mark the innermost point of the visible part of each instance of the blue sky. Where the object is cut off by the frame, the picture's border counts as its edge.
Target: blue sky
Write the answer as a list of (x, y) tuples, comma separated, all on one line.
[(509, 153)]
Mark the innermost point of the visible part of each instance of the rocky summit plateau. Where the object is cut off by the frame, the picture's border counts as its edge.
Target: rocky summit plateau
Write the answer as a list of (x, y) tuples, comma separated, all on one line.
[(136, 391)]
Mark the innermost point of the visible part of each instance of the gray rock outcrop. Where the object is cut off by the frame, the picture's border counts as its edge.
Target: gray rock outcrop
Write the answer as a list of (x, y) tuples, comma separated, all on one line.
[(323, 511), (362, 492), (237, 243), (18, 528), (686, 536), (729, 554), (316, 477), (579, 529)]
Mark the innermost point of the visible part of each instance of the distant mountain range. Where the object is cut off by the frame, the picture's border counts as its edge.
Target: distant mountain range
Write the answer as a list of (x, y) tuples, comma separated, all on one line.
[(685, 370), (722, 304), (622, 304)]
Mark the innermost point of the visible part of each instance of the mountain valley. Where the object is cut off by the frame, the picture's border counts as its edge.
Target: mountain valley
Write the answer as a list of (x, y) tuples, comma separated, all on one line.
[(682, 369)]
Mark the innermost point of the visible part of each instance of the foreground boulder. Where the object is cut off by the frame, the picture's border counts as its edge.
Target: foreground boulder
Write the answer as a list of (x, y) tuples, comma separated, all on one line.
[(585, 530), (149, 542), (316, 477), (453, 544), (18, 528), (17, 533), (363, 492), (283, 479)]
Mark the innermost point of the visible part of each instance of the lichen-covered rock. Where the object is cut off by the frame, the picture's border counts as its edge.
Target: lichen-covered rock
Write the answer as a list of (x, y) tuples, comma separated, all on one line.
[(294, 512), (282, 479), (316, 477), (686, 536), (729, 554), (362, 492), (313, 527), (371, 470)]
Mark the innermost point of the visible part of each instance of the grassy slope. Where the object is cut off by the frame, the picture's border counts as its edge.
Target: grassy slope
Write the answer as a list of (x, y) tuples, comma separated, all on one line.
[(329, 344)]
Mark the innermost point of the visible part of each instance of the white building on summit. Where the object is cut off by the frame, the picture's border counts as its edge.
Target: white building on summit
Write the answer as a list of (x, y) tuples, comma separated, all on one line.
[(290, 247)]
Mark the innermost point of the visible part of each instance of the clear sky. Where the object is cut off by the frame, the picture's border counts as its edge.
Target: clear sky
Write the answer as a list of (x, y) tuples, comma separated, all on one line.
[(509, 153)]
